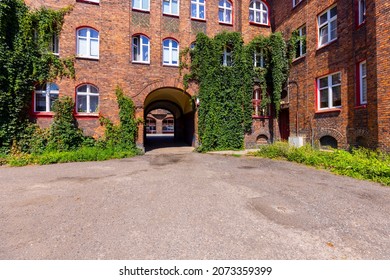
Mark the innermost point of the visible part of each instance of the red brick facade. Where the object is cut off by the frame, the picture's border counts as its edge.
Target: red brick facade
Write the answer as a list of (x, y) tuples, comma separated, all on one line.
[(148, 84)]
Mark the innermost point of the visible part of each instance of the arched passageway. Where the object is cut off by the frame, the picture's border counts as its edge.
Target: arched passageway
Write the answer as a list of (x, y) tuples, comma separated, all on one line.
[(169, 119)]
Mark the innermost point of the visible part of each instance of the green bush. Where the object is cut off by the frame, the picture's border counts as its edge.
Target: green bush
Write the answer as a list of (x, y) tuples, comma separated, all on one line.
[(359, 163)]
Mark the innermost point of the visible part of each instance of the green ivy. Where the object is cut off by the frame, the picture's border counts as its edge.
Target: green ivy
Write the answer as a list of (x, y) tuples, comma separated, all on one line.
[(25, 36), (225, 92)]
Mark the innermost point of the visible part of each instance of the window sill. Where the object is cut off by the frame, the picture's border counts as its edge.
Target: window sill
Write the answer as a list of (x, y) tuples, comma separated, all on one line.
[(171, 15), (198, 19), (361, 106), (225, 23), (258, 24), (86, 115), (141, 11), (141, 62), (170, 65), (87, 58), (327, 44), (359, 25), (260, 117), (299, 58), (332, 110), (89, 2), (43, 114)]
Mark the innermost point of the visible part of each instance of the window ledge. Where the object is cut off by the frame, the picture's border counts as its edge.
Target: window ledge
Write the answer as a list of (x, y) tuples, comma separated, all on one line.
[(89, 2), (43, 114), (87, 58), (140, 10), (169, 65), (260, 117), (361, 106), (258, 24), (140, 62), (86, 115), (332, 110), (299, 58), (225, 23), (171, 15), (327, 44), (198, 19)]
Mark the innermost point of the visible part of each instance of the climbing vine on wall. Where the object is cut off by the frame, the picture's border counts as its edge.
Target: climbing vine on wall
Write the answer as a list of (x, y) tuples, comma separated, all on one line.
[(225, 91), (25, 59)]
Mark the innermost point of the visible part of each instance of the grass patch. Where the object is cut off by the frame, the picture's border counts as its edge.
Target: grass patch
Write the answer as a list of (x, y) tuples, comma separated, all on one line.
[(78, 155), (359, 163)]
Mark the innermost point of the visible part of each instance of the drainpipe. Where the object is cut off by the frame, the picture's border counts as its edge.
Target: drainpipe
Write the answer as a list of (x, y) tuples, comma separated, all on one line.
[(296, 111)]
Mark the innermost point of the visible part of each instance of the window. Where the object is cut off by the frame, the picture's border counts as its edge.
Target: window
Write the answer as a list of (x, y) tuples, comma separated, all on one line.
[(198, 9), (141, 49), (141, 5), (170, 52), (168, 126), (225, 11), (87, 100), (362, 83), (258, 110), (296, 2), (171, 7), (44, 97), (361, 11), (300, 49), (259, 59), (227, 59), (150, 126), (87, 43), (258, 12), (329, 91), (327, 26), (54, 45)]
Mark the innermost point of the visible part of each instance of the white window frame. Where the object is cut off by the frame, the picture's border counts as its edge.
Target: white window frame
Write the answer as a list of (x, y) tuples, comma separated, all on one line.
[(47, 91), (326, 26), (362, 77), (361, 11), (88, 94), (257, 54), (330, 88), (140, 49), (88, 39), (170, 7), (143, 5), (197, 4), (296, 2), (259, 112), (225, 11), (262, 11), (170, 50), (54, 45), (227, 53), (301, 47)]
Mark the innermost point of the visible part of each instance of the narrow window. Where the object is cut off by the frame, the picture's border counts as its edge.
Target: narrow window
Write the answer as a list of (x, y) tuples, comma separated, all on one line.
[(225, 11), (258, 12), (170, 52), (87, 100), (296, 2), (141, 49), (171, 7), (363, 82), (198, 9), (54, 45), (227, 59), (45, 95), (258, 110), (361, 11), (329, 91), (259, 59), (327, 26), (87, 43), (300, 49)]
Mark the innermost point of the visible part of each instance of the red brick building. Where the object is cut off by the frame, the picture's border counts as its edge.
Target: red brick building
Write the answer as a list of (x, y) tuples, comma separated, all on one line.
[(338, 87)]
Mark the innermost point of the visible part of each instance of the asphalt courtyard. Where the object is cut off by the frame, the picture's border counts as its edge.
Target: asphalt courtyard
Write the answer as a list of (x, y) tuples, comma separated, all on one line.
[(184, 205)]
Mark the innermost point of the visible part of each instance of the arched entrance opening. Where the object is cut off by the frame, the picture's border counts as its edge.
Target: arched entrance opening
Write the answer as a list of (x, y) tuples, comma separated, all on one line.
[(169, 119)]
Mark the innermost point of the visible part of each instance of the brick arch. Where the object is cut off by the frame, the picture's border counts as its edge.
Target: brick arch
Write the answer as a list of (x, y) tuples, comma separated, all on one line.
[(164, 83), (330, 132)]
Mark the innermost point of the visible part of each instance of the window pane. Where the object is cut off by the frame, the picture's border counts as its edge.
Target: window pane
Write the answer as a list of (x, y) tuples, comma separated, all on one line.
[(93, 104), (145, 4), (94, 33), (333, 30), (82, 89), (93, 89), (82, 32), (323, 18), (40, 102), (324, 82), (336, 96), (166, 7), (175, 7), (53, 86), (228, 16), (220, 15), (174, 44), (166, 55), (145, 51), (53, 98), (364, 90), (201, 12), (324, 101), (83, 49), (175, 56), (81, 103), (336, 79), (333, 12), (324, 35), (251, 15), (193, 10), (94, 48), (364, 69), (166, 43)]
